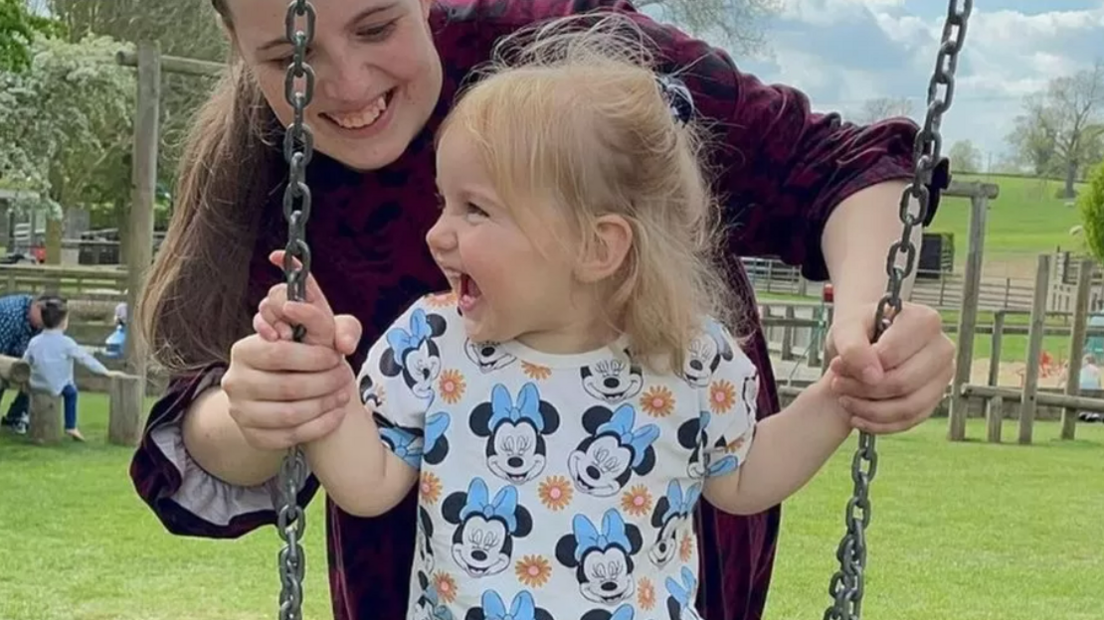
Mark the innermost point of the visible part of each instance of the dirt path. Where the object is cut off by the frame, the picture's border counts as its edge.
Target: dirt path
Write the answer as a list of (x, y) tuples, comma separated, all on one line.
[(1011, 374)]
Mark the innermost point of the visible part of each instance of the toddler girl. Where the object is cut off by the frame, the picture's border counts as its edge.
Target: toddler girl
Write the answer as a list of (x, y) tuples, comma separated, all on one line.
[(578, 390)]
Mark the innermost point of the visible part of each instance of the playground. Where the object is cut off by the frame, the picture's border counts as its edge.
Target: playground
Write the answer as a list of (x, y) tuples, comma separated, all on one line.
[(972, 519)]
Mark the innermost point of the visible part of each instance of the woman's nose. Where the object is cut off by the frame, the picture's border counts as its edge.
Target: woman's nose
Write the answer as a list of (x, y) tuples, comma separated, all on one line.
[(347, 79)]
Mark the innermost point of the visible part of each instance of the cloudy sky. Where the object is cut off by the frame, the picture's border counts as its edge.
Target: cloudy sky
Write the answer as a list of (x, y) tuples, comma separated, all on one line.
[(842, 52)]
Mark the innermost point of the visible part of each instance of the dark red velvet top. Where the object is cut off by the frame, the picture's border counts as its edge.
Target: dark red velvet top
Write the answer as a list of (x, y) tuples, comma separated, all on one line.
[(782, 170)]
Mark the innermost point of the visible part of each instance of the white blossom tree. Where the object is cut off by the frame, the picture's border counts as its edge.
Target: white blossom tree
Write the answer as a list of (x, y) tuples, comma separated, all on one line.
[(66, 126)]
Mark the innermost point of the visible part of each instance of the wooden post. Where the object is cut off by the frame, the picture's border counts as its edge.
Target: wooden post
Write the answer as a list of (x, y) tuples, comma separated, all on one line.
[(45, 411), (967, 318), (1034, 349), (1077, 344), (125, 418), (994, 415), (995, 347), (788, 334), (14, 371), (140, 233)]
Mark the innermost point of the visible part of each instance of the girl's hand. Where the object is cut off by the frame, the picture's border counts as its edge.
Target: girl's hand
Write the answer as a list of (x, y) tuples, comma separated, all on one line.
[(894, 384), (283, 393)]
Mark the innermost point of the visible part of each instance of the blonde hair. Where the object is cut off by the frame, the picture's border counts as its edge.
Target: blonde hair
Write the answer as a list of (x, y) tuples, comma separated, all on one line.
[(574, 117)]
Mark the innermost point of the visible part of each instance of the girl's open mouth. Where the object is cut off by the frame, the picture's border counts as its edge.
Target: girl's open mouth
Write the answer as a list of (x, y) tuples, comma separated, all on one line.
[(469, 293)]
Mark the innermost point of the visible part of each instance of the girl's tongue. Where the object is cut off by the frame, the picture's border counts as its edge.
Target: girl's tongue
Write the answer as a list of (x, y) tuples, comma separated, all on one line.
[(469, 293)]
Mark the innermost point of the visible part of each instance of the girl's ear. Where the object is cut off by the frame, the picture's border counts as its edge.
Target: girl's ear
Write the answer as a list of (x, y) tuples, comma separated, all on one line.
[(613, 238)]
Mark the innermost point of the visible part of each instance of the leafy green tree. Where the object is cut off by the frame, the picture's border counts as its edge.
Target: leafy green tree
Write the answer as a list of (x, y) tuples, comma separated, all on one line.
[(18, 29), (1091, 204)]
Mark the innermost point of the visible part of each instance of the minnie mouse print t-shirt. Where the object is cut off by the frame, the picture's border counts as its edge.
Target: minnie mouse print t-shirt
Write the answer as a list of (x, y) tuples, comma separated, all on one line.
[(555, 486)]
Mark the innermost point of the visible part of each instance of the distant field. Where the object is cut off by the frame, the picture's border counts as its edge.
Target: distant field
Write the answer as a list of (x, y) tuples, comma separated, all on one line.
[(1024, 221)]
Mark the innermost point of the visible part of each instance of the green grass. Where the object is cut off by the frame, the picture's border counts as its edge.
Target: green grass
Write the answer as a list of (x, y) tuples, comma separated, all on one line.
[(967, 531), (1024, 220)]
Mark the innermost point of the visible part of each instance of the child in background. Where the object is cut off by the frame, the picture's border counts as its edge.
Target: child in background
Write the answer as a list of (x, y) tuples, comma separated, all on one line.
[(51, 355), (566, 405)]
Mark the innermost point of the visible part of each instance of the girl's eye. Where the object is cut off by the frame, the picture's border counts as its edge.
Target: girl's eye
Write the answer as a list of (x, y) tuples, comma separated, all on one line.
[(475, 212)]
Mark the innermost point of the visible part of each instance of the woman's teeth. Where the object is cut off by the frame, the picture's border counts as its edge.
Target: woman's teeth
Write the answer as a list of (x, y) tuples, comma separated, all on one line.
[(363, 118)]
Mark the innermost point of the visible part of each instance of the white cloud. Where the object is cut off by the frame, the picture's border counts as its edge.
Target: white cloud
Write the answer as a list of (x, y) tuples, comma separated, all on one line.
[(842, 52)]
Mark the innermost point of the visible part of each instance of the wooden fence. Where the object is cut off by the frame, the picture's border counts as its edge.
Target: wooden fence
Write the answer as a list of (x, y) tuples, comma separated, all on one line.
[(943, 290)]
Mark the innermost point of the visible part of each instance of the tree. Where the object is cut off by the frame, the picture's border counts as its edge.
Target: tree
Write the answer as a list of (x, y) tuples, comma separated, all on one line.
[(66, 127), (965, 157), (187, 28), (18, 29), (1091, 205), (874, 110), (737, 24), (1060, 130)]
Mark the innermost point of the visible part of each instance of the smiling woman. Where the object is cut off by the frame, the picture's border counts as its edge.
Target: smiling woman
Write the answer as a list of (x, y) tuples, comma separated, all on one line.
[(796, 184), (379, 74)]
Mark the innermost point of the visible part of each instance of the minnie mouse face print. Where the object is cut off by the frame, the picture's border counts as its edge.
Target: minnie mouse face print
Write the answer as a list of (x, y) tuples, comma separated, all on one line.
[(413, 354), (603, 560), (706, 352), (671, 516), (515, 432), (603, 462), (488, 356), (483, 541), (613, 381)]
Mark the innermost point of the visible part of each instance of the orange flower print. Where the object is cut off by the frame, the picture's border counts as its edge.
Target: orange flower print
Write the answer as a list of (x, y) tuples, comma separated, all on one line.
[(441, 300), (645, 594), (686, 547), (722, 396), (658, 401), (430, 487), (451, 386), (533, 570), (637, 501), (446, 587), (735, 444), (555, 493), (534, 371)]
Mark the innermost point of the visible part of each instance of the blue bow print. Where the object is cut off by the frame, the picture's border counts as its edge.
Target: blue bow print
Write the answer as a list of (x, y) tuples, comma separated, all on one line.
[(405, 445), (622, 424), (587, 537), (504, 505), (724, 465), (624, 612), (677, 504), (523, 607), (526, 408), (681, 592), (402, 341), (435, 427)]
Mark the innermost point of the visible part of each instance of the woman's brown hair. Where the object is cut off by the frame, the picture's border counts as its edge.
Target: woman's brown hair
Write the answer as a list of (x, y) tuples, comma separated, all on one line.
[(193, 306)]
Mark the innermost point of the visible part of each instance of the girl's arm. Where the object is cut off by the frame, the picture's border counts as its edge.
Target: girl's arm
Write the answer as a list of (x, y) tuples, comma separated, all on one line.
[(358, 471), (786, 451)]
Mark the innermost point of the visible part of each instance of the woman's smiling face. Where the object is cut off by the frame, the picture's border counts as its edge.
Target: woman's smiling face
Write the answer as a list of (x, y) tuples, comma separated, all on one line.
[(378, 74)]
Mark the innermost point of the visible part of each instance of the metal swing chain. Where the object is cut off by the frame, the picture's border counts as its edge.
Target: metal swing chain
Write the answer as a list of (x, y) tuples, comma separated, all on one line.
[(298, 150), (846, 587)]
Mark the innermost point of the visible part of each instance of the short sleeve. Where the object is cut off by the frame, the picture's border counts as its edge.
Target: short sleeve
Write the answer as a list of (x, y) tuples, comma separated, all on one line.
[(398, 380), (728, 405)]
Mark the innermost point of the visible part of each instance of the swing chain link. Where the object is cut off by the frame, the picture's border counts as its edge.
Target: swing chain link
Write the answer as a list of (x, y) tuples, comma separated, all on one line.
[(298, 150), (846, 586)]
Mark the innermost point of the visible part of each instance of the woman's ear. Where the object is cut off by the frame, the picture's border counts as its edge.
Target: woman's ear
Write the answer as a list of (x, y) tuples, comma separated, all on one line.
[(613, 238)]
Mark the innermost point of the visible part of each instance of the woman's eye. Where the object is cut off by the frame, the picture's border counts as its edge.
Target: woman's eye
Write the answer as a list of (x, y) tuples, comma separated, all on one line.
[(376, 33), (475, 211)]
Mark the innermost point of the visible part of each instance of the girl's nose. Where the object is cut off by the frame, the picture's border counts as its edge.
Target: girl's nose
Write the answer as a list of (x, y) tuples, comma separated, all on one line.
[(441, 237)]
